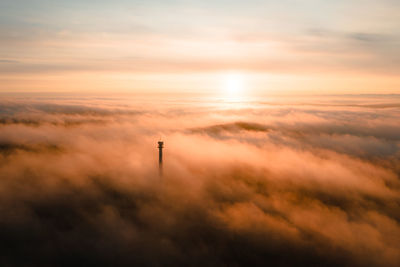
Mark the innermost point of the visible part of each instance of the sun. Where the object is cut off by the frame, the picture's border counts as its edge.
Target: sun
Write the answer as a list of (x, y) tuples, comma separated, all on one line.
[(233, 84)]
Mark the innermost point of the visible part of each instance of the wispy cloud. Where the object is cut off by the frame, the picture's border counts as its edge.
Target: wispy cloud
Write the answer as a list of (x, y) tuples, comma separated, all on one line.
[(341, 38)]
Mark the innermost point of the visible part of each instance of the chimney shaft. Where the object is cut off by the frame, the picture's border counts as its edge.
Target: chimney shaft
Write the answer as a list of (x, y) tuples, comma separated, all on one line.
[(160, 155)]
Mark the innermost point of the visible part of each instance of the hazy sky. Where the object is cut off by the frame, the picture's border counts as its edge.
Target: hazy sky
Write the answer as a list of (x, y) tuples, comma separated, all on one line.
[(286, 46)]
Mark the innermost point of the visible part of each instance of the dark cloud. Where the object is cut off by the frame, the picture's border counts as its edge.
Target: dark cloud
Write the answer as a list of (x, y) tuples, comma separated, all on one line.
[(71, 115), (309, 185), (232, 127), (8, 61), (9, 148), (368, 37)]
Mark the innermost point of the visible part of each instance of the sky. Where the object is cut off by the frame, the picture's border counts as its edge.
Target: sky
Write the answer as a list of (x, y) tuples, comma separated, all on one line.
[(224, 47)]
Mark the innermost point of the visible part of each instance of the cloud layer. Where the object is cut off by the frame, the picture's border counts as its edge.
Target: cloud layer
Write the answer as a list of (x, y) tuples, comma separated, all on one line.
[(255, 184)]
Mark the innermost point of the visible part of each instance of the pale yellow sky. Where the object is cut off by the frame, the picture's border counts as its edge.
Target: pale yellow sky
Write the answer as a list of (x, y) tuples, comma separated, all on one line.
[(270, 47)]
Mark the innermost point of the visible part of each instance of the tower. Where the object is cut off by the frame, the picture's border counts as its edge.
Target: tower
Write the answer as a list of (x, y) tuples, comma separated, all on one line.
[(160, 155)]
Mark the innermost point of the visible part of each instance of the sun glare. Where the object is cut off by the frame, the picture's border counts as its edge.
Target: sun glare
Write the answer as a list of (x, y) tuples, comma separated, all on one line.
[(233, 84)]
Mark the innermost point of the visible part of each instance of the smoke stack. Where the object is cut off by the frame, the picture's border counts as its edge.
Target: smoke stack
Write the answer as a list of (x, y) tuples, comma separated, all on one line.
[(160, 156)]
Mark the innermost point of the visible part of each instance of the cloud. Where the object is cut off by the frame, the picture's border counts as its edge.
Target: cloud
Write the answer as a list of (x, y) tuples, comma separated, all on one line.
[(362, 51), (7, 61), (305, 185)]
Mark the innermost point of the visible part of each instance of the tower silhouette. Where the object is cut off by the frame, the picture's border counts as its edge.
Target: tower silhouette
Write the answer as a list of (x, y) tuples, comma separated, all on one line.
[(160, 156)]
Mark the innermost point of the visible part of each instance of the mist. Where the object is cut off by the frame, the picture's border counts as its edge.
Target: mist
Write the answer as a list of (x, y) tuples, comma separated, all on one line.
[(311, 183)]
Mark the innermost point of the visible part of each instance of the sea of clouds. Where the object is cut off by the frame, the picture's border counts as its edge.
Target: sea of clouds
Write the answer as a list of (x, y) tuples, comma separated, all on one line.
[(312, 182)]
